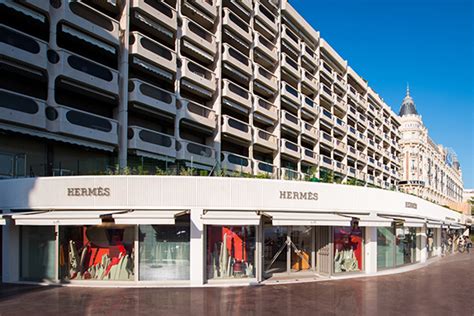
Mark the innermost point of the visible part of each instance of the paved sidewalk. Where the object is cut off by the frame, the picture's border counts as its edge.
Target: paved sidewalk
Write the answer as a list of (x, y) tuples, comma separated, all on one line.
[(445, 287)]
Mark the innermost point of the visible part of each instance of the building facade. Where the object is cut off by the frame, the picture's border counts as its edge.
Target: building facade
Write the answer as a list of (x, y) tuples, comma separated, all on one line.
[(429, 170), (243, 86), (143, 231)]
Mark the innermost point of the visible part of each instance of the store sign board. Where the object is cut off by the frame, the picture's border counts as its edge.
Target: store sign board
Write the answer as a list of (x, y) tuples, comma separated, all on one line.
[(86, 192), (297, 195), (411, 205)]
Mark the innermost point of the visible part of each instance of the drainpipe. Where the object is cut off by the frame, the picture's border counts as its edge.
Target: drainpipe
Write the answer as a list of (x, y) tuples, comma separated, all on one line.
[(123, 86)]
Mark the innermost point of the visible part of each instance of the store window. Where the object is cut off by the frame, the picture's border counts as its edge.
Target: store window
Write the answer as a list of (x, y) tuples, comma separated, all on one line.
[(97, 253), (37, 253), (164, 251), (431, 242), (348, 248), (230, 252), (405, 249), (385, 247)]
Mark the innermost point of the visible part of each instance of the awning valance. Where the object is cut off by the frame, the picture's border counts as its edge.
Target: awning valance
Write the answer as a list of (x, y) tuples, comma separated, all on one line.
[(371, 220), (51, 218), (231, 218), (456, 226), (433, 224), (308, 219), (147, 217), (409, 221)]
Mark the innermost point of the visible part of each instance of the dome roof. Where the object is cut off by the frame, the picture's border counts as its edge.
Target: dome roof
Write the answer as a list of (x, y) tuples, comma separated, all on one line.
[(408, 105)]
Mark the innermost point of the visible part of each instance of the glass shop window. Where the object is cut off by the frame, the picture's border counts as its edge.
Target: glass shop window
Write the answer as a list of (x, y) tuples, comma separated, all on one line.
[(385, 247), (37, 254), (348, 249), (405, 250), (230, 252)]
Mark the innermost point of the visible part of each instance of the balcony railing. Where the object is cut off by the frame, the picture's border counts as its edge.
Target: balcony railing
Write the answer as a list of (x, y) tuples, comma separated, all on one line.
[(309, 156), (290, 149), (265, 139), (267, 79), (290, 94), (325, 162), (236, 163), (266, 47), (199, 114), (196, 153), (199, 36), (309, 81), (146, 140), (199, 75), (154, 53), (264, 110), (236, 96), (23, 110), (326, 139), (158, 10), (237, 25), (309, 107), (268, 20), (290, 66), (309, 131), (261, 167), (145, 95), (236, 128), (291, 121)]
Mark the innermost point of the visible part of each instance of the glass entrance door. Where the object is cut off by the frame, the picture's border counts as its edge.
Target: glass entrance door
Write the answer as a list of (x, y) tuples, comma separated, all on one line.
[(287, 249)]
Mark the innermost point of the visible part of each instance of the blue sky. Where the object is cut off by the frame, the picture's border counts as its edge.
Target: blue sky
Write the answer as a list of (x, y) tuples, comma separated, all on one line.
[(428, 43)]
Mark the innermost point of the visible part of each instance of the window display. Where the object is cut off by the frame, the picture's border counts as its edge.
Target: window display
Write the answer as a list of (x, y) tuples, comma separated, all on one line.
[(405, 250), (97, 252), (230, 252), (164, 251), (431, 242), (37, 253), (348, 244), (385, 247)]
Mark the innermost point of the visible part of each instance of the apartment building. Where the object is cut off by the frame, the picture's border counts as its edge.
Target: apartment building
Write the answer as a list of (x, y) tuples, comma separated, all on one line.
[(429, 170), (246, 86)]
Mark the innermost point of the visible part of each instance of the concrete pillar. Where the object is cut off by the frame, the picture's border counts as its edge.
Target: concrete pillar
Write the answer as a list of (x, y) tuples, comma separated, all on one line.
[(197, 248), (11, 252), (370, 250), (438, 241), (421, 251)]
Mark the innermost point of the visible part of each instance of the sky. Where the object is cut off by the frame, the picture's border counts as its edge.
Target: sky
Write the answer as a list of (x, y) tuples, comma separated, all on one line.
[(427, 43)]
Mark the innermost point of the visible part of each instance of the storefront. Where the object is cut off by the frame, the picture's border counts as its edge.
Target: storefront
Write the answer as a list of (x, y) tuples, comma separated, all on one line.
[(134, 231)]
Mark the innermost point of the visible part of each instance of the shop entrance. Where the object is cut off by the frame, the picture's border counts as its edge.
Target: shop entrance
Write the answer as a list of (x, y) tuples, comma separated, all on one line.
[(287, 249)]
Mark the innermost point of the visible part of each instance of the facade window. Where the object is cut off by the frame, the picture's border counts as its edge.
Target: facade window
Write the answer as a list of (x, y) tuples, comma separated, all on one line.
[(12, 165), (164, 251), (38, 252), (385, 247), (431, 244), (405, 250), (348, 249), (231, 252), (97, 253)]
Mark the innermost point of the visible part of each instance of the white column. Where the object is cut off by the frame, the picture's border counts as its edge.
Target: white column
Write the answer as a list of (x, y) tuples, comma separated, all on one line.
[(197, 249), (438, 241), (11, 252), (370, 250), (421, 251)]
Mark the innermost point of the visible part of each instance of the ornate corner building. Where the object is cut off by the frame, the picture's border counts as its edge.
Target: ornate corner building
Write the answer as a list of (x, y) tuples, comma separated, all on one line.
[(429, 170)]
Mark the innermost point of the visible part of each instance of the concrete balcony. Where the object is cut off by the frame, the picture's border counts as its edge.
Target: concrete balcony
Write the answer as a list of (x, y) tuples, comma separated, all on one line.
[(352, 152), (309, 107), (68, 121), (352, 172), (290, 94), (199, 36), (87, 72), (362, 139), (153, 52), (352, 131), (340, 104), (362, 157), (290, 121), (371, 144), (370, 179), (290, 66), (266, 80), (158, 11), (22, 48), (309, 81), (361, 176), (234, 23), (340, 125), (144, 95), (352, 93), (339, 167), (198, 75), (151, 26), (340, 81), (326, 92), (371, 127), (144, 140), (326, 139), (266, 48), (309, 132), (371, 161), (89, 20), (362, 120), (326, 162), (265, 139), (290, 149), (309, 56), (264, 111), (198, 114), (266, 21), (236, 129), (289, 174), (325, 69), (261, 167), (326, 117), (291, 38), (236, 163), (22, 110), (241, 68), (196, 153), (362, 102), (372, 109), (203, 12), (340, 146), (309, 156), (235, 96), (40, 5)]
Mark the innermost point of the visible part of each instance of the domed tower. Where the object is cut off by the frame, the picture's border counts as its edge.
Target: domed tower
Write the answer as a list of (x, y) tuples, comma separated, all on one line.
[(408, 105)]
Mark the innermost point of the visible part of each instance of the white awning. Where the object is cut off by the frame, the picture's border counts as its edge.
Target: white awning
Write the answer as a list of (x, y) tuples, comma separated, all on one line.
[(147, 217), (371, 220), (409, 221), (231, 218), (308, 219), (87, 38), (434, 224), (2, 220), (51, 218), (456, 226)]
